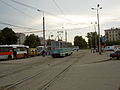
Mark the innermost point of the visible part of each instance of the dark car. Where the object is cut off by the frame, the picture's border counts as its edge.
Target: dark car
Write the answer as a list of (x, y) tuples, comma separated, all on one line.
[(115, 54)]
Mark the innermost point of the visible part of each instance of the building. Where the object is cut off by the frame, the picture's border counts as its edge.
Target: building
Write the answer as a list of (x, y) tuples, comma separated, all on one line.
[(21, 38), (42, 41), (112, 34)]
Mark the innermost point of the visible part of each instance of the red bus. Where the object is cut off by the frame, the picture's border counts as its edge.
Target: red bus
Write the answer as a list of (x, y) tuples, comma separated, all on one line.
[(13, 51), (6, 52)]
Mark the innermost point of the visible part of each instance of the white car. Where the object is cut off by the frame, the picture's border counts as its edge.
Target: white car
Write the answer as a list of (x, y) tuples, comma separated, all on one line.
[(117, 49)]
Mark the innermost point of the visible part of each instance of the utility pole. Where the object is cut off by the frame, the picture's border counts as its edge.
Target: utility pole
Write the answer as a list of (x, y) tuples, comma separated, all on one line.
[(98, 8), (91, 42), (44, 31), (98, 28), (66, 36), (95, 37), (44, 42)]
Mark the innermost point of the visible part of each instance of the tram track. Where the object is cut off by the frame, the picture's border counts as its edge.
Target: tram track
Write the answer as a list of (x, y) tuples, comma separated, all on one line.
[(47, 84), (25, 67)]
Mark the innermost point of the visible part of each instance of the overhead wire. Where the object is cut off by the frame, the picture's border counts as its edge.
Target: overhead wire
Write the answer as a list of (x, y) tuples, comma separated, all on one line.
[(4, 23), (20, 3), (33, 32), (37, 9), (58, 6), (43, 11), (13, 25), (15, 8), (34, 8)]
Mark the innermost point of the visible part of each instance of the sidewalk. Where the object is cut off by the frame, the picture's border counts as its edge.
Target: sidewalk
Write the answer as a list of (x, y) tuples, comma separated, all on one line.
[(94, 57)]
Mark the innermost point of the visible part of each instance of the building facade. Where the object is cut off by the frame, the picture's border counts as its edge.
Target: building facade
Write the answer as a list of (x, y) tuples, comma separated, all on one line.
[(21, 38), (112, 34)]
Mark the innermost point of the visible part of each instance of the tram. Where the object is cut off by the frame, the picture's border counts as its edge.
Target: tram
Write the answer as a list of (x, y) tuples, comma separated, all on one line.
[(61, 49)]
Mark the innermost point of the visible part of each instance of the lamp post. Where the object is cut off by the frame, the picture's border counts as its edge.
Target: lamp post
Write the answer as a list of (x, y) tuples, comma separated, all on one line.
[(43, 28), (44, 31), (98, 8)]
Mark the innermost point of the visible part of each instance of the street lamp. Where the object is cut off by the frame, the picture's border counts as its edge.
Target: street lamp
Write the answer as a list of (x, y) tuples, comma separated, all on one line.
[(43, 27), (44, 31), (98, 7)]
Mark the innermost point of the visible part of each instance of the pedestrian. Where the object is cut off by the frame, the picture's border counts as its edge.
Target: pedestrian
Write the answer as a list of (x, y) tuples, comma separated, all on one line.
[(43, 53), (92, 50)]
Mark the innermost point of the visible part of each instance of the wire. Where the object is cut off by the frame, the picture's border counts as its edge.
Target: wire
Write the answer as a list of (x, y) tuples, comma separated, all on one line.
[(58, 6), (15, 8), (24, 5), (43, 11), (32, 32), (4, 23), (37, 9)]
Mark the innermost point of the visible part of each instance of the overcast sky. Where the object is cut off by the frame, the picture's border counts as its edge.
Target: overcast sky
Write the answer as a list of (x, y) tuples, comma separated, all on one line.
[(74, 16)]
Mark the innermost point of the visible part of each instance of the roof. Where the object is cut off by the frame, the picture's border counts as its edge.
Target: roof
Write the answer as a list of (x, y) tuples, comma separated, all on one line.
[(14, 46), (112, 29)]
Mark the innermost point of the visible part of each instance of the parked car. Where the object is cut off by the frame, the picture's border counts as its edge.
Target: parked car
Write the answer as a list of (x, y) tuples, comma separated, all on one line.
[(117, 49), (33, 52), (115, 54), (109, 48)]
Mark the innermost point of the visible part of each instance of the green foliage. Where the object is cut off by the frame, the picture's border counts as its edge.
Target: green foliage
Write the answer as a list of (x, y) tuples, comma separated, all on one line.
[(32, 41), (92, 39), (7, 36), (79, 41), (109, 43), (2, 39), (49, 42)]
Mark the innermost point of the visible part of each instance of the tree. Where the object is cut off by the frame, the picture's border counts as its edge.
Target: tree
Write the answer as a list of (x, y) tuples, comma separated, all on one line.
[(8, 36), (32, 41), (49, 42), (2, 39), (92, 39), (110, 43), (79, 41)]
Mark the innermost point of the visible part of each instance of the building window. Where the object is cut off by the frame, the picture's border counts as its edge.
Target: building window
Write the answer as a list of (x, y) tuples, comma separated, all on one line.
[(110, 39)]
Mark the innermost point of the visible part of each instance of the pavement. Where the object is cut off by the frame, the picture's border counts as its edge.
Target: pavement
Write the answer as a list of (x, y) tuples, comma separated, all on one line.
[(92, 72), (87, 71)]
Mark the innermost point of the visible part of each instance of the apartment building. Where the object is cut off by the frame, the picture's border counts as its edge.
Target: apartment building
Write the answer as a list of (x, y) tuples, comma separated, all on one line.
[(112, 34), (21, 38)]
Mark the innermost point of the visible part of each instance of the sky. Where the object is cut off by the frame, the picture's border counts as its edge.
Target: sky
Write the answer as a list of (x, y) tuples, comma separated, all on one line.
[(71, 16)]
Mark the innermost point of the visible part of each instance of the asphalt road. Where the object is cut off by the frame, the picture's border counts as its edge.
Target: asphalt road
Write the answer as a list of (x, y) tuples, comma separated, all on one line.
[(82, 70)]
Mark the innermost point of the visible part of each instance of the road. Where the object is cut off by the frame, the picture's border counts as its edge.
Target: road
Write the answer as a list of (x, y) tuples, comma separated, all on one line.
[(82, 70)]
